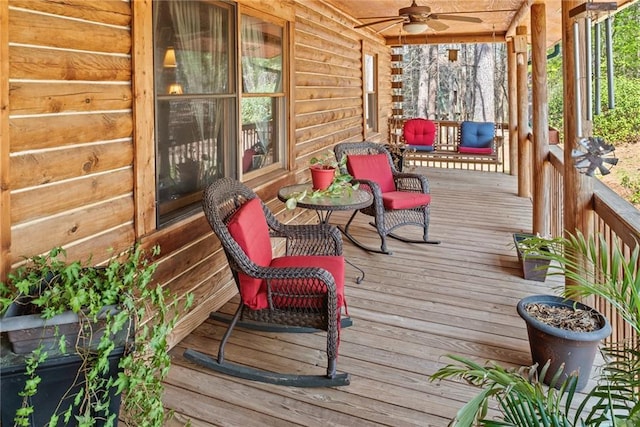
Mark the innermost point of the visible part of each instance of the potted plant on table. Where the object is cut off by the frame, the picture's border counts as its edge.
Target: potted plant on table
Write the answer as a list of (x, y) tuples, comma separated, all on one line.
[(522, 399), (97, 333), (326, 177)]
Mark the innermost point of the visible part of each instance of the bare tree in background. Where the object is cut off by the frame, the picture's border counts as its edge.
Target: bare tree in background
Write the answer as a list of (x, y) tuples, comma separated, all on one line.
[(471, 88)]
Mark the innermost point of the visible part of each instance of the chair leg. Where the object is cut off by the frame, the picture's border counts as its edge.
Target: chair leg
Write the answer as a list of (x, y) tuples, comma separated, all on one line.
[(345, 231), (227, 334)]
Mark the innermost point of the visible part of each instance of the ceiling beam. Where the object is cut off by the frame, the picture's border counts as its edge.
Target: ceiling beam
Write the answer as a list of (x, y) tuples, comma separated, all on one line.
[(518, 17), (498, 37)]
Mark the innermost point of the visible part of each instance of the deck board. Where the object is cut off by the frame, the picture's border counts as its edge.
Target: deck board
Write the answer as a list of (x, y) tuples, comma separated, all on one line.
[(413, 308)]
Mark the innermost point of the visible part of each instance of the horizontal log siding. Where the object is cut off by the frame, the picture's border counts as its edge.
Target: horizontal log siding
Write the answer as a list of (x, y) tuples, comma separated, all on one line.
[(70, 127), (328, 82)]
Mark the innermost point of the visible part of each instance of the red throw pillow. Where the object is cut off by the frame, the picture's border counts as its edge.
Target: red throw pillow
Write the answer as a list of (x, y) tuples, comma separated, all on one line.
[(419, 132), (374, 167), (248, 227)]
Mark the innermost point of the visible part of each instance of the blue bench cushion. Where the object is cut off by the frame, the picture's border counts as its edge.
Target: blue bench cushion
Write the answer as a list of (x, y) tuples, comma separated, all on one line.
[(477, 134)]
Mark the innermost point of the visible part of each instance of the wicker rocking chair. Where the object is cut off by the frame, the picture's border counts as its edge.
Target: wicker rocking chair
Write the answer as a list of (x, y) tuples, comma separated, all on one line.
[(302, 291), (399, 198)]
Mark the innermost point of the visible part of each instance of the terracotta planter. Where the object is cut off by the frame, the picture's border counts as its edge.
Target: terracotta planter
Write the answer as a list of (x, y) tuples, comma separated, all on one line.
[(574, 350), (532, 268), (321, 178)]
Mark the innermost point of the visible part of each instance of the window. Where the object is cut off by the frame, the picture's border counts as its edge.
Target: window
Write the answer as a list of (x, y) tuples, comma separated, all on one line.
[(199, 136), (371, 92), (262, 107)]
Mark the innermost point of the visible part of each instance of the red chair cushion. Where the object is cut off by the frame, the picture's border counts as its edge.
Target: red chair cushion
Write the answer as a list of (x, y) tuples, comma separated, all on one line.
[(248, 227), (315, 298), (475, 150), (374, 167), (404, 199), (419, 132)]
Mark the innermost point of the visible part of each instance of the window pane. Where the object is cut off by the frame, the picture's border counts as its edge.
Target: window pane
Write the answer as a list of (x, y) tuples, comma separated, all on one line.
[(190, 149), (192, 45), (261, 56), (369, 73), (260, 124), (195, 106)]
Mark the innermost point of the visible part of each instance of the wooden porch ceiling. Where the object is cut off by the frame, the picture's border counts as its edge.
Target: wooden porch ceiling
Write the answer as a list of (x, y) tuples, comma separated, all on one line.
[(413, 308), (499, 18)]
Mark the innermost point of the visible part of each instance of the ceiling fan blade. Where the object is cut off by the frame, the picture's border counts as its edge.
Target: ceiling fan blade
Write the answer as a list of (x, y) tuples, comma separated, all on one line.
[(395, 18), (436, 25), (455, 17)]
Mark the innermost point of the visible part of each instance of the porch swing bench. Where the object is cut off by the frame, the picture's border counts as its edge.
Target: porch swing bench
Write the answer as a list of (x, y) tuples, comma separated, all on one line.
[(469, 142)]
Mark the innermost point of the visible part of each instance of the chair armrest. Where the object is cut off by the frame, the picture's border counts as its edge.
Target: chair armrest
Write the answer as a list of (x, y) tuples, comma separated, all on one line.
[(310, 239), (407, 181), (370, 186)]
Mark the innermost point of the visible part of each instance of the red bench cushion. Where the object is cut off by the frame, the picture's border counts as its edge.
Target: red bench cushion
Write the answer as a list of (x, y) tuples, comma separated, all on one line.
[(248, 227), (474, 150), (374, 167)]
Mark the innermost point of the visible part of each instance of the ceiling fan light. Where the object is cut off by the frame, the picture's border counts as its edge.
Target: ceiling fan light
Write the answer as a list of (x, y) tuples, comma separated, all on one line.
[(415, 27)]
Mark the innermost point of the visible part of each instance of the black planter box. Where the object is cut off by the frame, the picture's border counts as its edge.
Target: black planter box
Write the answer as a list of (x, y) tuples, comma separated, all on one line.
[(58, 375)]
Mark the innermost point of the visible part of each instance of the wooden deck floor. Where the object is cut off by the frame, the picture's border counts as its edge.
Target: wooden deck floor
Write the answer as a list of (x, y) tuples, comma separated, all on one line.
[(414, 307)]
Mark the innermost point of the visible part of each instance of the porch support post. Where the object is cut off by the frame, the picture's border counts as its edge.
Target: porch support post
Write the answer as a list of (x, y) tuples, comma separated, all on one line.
[(541, 199), (513, 107), (524, 146), (578, 189)]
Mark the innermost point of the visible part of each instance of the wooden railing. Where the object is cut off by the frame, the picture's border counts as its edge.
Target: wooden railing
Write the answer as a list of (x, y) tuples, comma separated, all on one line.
[(615, 219)]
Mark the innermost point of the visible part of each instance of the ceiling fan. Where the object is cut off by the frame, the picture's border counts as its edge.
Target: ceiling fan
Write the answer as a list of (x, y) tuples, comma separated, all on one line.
[(416, 19)]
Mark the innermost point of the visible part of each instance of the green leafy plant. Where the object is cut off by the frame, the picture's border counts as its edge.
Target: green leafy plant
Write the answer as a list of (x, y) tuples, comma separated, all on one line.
[(341, 181), (522, 399), (327, 160), (49, 285)]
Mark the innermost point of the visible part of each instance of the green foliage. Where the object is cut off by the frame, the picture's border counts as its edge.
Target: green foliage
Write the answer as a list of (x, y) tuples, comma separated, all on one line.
[(52, 286), (626, 43), (522, 400), (621, 124), (341, 181), (632, 184)]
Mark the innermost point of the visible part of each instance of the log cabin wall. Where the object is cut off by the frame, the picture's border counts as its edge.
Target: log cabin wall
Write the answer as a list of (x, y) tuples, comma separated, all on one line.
[(76, 135)]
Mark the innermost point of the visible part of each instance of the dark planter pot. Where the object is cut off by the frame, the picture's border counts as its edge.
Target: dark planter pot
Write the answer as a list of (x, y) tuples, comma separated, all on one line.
[(61, 375), (532, 268), (55, 391), (576, 350)]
